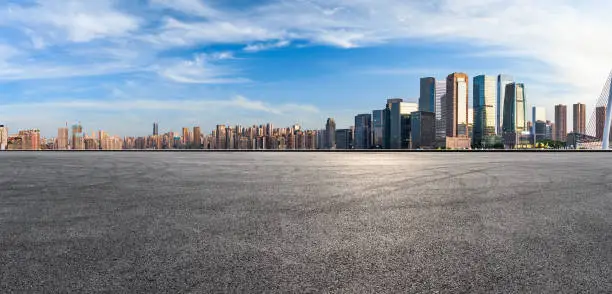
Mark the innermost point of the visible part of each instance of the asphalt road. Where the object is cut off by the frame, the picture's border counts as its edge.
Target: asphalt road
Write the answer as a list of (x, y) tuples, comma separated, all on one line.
[(306, 222)]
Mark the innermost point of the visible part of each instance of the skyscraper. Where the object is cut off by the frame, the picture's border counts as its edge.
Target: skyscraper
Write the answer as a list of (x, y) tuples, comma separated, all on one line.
[(155, 129), (422, 130), (600, 119), (186, 139), (484, 103), (61, 142), (457, 105), (330, 130), (538, 127), (440, 112), (387, 122), (197, 140), (427, 99), (77, 137), (378, 123), (343, 139), (579, 118), (363, 131), (502, 82), (514, 114), (399, 117), (560, 122)]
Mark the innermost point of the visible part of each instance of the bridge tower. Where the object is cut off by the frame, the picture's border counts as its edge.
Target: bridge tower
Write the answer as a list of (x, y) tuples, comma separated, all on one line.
[(607, 93)]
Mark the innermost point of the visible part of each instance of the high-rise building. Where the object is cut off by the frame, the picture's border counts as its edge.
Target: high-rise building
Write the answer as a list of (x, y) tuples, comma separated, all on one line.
[(560, 122), (185, 139), (363, 131), (502, 82), (3, 137), (387, 122), (427, 99), (343, 139), (155, 129), (484, 110), (61, 142), (378, 124), (197, 138), (330, 130), (399, 119), (579, 118), (514, 114), (457, 105), (600, 119), (440, 112), (77, 137), (30, 139), (220, 137), (538, 127), (422, 130)]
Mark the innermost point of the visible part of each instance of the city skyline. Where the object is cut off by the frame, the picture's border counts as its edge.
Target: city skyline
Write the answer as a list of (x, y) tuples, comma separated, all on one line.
[(121, 65)]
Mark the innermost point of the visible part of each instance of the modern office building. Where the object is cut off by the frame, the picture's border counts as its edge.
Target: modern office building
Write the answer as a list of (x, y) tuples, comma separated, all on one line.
[(422, 130), (387, 121), (330, 130), (220, 137), (538, 116), (579, 118), (378, 127), (77, 137), (399, 116), (600, 119), (440, 112), (62, 140), (197, 140), (484, 110), (560, 122), (343, 139), (514, 115), (427, 98), (363, 131), (155, 129), (457, 105), (502, 82)]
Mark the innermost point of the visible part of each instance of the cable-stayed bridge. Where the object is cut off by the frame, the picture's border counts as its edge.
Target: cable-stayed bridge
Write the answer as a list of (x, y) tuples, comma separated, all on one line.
[(598, 126)]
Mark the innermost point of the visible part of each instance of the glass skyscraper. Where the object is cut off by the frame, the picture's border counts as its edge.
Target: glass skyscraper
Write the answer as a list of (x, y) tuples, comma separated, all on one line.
[(514, 108), (427, 98), (363, 131), (378, 123), (484, 102), (440, 111), (502, 82)]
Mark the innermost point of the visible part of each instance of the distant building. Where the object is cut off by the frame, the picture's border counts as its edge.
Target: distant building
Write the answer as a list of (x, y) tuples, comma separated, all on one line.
[(197, 138), (422, 130), (378, 124), (363, 131), (77, 137), (514, 115), (155, 129), (484, 109), (61, 142), (427, 98), (502, 82), (30, 139), (560, 122), (330, 130), (600, 119), (538, 127), (343, 139), (579, 118), (457, 105), (399, 118), (440, 112), (3, 137)]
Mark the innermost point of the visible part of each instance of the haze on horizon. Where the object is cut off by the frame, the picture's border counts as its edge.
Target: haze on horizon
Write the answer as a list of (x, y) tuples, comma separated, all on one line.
[(120, 65)]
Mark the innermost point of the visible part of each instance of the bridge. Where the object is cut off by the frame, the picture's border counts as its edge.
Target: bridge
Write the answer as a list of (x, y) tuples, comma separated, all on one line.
[(598, 127)]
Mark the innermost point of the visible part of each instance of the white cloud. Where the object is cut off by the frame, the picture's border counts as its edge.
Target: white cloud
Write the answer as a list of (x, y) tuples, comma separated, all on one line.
[(70, 20), (266, 46), (200, 71)]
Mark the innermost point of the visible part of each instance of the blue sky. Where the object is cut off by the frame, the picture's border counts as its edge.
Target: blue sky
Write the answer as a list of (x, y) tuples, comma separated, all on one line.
[(120, 65)]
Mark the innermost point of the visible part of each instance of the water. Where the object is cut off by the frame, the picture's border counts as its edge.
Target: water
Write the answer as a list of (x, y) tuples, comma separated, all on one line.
[(296, 222)]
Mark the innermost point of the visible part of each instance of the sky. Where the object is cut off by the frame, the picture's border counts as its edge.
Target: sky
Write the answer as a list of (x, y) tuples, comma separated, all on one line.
[(119, 66)]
